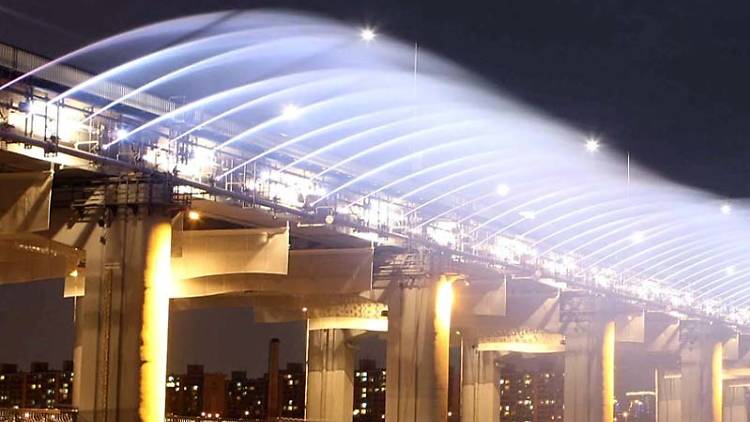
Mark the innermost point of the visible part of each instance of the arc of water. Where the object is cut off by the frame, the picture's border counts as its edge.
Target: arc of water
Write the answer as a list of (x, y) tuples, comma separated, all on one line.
[(357, 136), (587, 221), (738, 296), (322, 130), (222, 95), (657, 246), (395, 141), (273, 149), (721, 281), (686, 248), (628, 246), (443, 179), (720, 264), (523, 206), (426, 170), (521, 188), (689, 267), (183, 71), (452, 192), (160, 54), (393, 163), (91, 47), (637, 223)]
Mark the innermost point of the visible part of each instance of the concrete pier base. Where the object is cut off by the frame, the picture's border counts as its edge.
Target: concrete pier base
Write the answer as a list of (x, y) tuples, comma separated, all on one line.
[(122, 320), (735, 402), (701, 369), (480, 395), (330, 388), (668, 393), (417, 352), (589, 372)]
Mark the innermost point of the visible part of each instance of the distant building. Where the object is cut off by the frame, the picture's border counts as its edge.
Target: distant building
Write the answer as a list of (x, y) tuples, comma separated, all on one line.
[(292, 395), (246, 398), (41, 387), (196, 393), (531, 390), (369, 392)]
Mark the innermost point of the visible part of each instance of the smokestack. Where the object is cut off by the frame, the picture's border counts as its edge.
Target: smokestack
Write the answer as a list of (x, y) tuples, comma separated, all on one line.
[(272, 402)]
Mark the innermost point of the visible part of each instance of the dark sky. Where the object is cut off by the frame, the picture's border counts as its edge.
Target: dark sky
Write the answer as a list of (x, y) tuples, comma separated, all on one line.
[(665, 80)]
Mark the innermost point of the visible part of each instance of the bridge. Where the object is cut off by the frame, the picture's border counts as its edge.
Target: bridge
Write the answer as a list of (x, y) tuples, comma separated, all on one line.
[(293, 165)]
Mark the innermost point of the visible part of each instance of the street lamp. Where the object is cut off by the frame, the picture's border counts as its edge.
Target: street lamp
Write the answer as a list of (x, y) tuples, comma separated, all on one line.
[(367, 34), (592, 145)]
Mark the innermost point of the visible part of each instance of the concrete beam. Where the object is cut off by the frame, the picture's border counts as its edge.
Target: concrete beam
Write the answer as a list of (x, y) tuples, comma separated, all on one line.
[(523, 341), (25, 201), (310, 272)]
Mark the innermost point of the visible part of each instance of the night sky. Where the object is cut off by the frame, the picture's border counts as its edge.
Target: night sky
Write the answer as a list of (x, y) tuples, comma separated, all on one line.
[(666, 81)]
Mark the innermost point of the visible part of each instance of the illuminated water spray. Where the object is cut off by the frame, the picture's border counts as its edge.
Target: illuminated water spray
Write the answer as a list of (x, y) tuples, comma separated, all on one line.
[(322, 114)]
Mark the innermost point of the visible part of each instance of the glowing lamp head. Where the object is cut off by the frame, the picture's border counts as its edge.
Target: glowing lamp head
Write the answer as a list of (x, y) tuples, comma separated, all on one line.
[(726, 209), (367, 34), (291, 112), (194, 215), (121, 133), (503, 190), (592, 145)]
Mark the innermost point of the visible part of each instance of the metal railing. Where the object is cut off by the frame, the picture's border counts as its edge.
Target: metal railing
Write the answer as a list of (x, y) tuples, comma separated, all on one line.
[(38, 415), (172, 418)]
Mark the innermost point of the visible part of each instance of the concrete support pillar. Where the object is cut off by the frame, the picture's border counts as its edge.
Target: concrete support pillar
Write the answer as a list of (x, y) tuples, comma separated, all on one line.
[(589, 371), (419, 320), (330, 375), (480, 395), (668, 393), (735, 403), (701, 369), (120, 353)]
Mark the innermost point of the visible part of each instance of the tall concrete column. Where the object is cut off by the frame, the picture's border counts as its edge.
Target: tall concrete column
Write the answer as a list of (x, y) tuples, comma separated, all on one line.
[(735, 402), (120, 352), (701, 369), (668, 393), (330, 375), (417, 351), (589, 331), (480, 395)]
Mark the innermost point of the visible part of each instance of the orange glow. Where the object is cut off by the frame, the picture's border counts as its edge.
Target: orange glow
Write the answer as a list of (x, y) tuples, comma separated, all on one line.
[(157, 280), (608, 372), (717, 381), (194, 215)]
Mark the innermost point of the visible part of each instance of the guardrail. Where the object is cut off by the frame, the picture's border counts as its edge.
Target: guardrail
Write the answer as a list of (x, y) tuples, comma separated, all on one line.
[(38, 415), (220, 419)]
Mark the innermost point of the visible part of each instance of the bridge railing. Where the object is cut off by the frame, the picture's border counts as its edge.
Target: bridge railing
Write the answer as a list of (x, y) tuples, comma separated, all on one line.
[(172, 418), (38, 415)]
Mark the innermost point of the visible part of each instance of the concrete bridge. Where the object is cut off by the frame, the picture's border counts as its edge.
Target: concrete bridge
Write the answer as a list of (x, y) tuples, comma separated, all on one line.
[(130, 240)]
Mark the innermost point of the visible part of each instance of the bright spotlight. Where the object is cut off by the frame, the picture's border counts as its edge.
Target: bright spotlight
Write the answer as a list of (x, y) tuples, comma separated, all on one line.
[(592, 145), (503, 190), (637, 237), (121, 133), (367, 34), (291, 111), (726, 209), (194, 215)]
